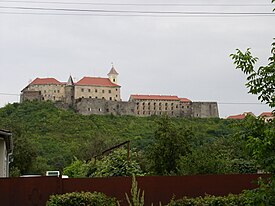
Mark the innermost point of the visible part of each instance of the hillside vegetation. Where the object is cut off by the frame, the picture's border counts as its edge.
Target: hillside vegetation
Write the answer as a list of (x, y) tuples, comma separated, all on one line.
[(48, 138)]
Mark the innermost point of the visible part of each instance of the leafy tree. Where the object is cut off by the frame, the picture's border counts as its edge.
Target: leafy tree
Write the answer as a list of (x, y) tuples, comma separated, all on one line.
[(170, 144), (224, 155), (24, 154), (117, 164), (260, 135), (77, 169)]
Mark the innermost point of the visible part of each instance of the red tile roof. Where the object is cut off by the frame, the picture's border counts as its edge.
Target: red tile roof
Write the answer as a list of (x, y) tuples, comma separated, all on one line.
[(239, 116), (267, 114), (96, 81), (154, 97), (185, 100), (45, 81)]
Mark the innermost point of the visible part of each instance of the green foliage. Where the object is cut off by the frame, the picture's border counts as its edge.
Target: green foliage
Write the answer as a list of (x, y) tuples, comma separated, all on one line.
[(50, 138), (117, 164), (262, 196), (170, 144), (137, 199), (260, 81), (260, 142), (230, 200), (224, 156), (81, 199), (77, 169)]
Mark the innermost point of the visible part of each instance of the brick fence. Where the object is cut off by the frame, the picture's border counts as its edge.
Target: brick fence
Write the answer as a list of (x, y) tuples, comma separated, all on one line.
[(35, 191)]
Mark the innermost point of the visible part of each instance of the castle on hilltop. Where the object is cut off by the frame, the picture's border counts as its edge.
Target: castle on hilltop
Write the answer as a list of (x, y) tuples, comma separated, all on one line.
[(97, 95)]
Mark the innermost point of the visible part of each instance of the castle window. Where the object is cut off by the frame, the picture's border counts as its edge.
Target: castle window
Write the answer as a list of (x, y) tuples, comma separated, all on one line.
[(172, 113), (44, 91), (137, 112), (100, 109), (143, 103), (82, 90), (137, 103), (160, 104), (172, 108), (90, 97), (143, 112), (102, 90), (116, 89), (165, 108), (110, 98), (176, 106), (116, 95), (96, 97), (172, 104), (54, 91), (57, 91), (103, 98), (114, 80), (53, 97), (109, 91), (89, 90), (154, 108), (187, 107), (166, 104), (95, 90)]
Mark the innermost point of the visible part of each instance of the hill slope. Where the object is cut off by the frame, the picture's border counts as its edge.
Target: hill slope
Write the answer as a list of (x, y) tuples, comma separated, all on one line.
[(49, 138)]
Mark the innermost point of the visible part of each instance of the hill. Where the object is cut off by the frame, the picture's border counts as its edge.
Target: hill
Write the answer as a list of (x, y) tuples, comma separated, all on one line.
[(48, 138)]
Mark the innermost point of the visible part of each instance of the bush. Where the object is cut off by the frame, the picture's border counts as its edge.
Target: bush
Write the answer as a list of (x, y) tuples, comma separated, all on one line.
[(81, 199), (230, 200)]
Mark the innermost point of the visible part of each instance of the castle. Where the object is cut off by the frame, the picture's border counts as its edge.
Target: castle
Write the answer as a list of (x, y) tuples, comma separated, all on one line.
[(97, 95)]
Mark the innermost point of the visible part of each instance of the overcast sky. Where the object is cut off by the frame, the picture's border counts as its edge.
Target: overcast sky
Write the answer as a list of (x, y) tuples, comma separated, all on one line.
[(167, 54)]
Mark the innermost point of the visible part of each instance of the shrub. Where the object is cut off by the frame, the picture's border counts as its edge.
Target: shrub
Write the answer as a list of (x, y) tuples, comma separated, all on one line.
[(230, 200), (81, 199)]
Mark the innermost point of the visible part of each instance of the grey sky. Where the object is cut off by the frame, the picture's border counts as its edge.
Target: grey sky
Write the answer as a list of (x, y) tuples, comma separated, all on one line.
[(184, 56)]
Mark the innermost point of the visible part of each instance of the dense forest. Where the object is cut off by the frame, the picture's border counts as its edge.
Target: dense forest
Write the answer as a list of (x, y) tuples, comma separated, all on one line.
[(48, 138)]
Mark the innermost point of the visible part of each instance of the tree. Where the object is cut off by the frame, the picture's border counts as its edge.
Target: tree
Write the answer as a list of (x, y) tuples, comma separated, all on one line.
[(260, 135), (170, 144), (117, 164)]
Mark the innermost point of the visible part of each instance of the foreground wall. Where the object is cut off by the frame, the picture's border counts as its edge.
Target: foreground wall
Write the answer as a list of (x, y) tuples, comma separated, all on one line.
[(35, 191)]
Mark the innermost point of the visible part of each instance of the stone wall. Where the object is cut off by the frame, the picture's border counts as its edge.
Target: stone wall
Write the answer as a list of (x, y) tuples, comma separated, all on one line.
[(205, 109), (88, 106), (30, 96)]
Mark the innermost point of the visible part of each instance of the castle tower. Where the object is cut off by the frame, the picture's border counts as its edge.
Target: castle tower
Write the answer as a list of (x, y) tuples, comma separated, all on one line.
[(113, 75), (69, 92)]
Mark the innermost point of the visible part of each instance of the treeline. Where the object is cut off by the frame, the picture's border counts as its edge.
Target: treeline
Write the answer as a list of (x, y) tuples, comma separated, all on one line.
[(48, 138)]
